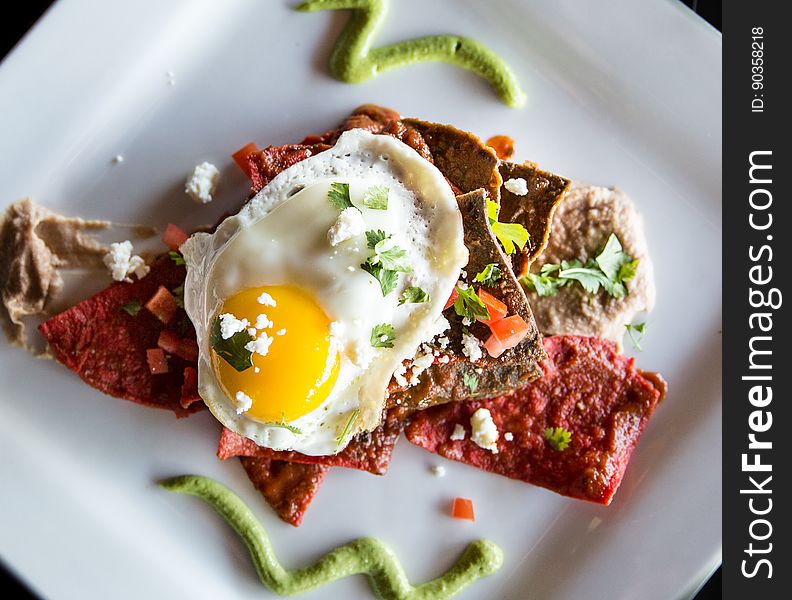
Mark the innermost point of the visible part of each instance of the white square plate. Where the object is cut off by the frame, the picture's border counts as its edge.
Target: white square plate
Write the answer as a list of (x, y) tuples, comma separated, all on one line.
[(619, 93)]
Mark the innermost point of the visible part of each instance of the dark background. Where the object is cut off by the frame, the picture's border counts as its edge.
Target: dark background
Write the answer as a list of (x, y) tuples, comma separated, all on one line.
[(17, 22)]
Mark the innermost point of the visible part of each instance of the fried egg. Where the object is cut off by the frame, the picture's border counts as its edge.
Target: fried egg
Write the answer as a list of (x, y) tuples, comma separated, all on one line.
[(312, 287)]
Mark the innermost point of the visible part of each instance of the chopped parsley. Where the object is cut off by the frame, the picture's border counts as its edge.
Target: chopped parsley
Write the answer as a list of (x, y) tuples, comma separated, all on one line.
[(345, 432), (387, 261), (636, 333), (233, 349), (489, 275), (508, 234), (609, 269), (176, 257), (471, 382), (132, 308), (376, 197), (284, 425), (382, 335), (414, 295), (339, 195), (178, 295), (558, 438), (469, 305)]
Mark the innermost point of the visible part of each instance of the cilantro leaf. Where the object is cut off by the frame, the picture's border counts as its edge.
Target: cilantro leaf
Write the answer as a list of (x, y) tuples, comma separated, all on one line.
[(132, 308), (386, 262), (414, 295), (558, 438), (374, 237), (178, 295), (387, 279), (233, 349), (376, 197), (284, 425), (636, 333), (382, 335), (508, 234), (345, 432), (176, 257), (542, 285), (608, 270), (489, 275), (338, 195), (612, 257), (469, 305), (471, 382)]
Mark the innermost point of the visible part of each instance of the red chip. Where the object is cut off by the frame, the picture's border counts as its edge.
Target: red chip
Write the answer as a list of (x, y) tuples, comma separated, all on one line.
[(587, 389)]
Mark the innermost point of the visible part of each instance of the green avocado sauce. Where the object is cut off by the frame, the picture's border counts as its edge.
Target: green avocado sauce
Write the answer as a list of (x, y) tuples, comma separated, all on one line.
[(363, 556), (354, 60)]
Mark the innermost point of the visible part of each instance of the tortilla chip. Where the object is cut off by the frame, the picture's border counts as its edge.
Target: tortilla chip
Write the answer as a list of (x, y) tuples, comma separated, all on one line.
[(265, 164), (534, 210), (287, 487), (106, 346), (369, 451), (442, 383), (589, 390), (467, 162)]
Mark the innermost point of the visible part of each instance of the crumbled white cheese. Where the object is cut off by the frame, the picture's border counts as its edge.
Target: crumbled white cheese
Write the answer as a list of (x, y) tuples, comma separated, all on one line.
[(508, 436), (518, 187), (349, 224), (122, 263), (483, 431), (256, 370), (458, 433), (263, 322), (243, 402), (438, 470), (444, 359), (422, 360), (202, 183), (281, 332), (360, 353), (462, 285), (229, 325), (260, 345), (463, 274), (266, 300), (252, 332), (470, 346), (383, 337), (443, 342), (399, 373), (466, 321)]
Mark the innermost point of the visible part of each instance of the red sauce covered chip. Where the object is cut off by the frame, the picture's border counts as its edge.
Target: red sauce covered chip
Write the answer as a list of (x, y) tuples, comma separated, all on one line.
[(588, 390)]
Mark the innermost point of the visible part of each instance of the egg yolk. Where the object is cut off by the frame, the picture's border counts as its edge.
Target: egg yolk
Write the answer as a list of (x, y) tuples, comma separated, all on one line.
[(300, 366)]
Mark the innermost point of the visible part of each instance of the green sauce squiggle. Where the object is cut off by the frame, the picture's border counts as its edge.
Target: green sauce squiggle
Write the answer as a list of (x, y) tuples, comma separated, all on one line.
[(363, 556), (353, 60)]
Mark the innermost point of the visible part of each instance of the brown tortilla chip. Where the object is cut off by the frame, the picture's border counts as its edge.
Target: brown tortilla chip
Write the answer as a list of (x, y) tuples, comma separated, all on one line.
[(369, 451), (534, 210), (287, 487), (442, 383), (467, 162)]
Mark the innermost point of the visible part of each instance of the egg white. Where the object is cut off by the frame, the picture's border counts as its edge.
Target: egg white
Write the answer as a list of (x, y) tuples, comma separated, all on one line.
[(280, 237)]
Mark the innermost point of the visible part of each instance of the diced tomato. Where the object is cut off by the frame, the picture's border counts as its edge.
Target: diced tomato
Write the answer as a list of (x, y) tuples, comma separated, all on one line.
[(506, 333), (189, 389), (174, 236), (462, 508), (182, 347), (162, 304), (503, 146), (451, 299), (497, 309), (157, 362), (241, 157)]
